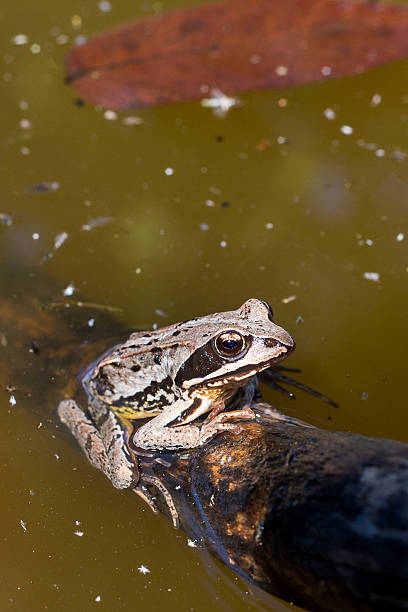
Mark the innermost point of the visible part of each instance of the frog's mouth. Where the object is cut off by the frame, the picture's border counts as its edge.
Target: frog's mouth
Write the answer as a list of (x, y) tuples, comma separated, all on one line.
[(239, 375)]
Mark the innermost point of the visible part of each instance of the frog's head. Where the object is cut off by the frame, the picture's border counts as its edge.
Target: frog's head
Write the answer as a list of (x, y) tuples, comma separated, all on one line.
[(230, 347)]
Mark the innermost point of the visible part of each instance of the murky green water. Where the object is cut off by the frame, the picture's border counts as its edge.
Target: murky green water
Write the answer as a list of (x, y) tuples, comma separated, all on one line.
[(310, 211)]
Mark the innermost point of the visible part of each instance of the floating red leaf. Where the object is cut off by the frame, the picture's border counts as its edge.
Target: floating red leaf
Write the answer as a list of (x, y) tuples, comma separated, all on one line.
[(236, 46)]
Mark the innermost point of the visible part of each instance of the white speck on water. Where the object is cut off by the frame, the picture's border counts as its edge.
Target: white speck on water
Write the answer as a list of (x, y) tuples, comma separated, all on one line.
[(6, 219), (104, 6), (220, 103), (110, 115), (376, 100), (282, 140), (281, 70), (25, 150), (399, 237), (380, 153), (80, 40), (132, 120), (143, 569), (369, 242), (56, 455), (35, 48), (20, 39), (79, 533), (372, 276), (204, 227), (329, 113), (25, 124), (192, 543), (210, 203), (138, 270), (95, 222), (223, 244), (169, 171), (23, 105), (255, 59), (62, 39), (282, 102), (24, 525), (346, 129), (98, 598), (69, 290), (161, 313), (326, 70), (35, 236), (269, 225), (77, 523), (289, 299), (91, 322), (12, 400), (60, 239)]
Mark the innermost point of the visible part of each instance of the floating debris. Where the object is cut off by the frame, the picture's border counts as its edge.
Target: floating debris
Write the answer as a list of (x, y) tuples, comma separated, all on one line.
[(110, 115), (269, 226), (5, 220), (220, 103), (372, 276), (204, 227), (69, 290), (143, 569), (161, 313), (95, 222), (169, 171), (132, 120), (289, 299), (376, 100), (281, 70), (12, 400), (19, 39), (223, 244), (46, 186), (24, 525), (79, 533), (59, 240), (192, 543), (329, 114), (346, 129), (104, 6), (399, 237)]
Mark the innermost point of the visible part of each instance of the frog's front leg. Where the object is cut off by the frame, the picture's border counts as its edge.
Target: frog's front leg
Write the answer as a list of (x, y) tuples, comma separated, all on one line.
[(104, 446), (162, 432)]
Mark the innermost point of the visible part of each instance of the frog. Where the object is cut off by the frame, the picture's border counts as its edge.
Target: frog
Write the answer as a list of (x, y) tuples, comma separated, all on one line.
[(172, 377)]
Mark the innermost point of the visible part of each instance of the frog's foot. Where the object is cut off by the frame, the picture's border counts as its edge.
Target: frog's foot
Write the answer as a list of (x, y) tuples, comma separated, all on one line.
[(145, 494), (266, 410), (273, 377), (219, 423)]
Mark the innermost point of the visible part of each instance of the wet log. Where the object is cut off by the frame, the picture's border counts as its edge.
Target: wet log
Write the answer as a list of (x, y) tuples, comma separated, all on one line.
[(235, 47), (319, 518)]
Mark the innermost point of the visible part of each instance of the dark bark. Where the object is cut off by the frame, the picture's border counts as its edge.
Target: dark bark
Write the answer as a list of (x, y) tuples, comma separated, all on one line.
[(316, 517)]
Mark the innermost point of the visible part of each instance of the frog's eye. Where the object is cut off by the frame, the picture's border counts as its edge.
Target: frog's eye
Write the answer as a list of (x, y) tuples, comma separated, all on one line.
[(229, 344), (269, 309)]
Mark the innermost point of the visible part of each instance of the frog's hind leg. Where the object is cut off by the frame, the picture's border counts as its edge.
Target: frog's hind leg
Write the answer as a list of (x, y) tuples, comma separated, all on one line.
[(102, 442)]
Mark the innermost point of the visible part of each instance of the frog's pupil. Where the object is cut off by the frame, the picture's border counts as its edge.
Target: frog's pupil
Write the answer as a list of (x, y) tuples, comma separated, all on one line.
[(229, 344)]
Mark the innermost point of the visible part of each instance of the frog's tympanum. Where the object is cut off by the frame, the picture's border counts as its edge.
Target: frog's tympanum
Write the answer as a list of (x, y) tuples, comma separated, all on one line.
[(173, 376)]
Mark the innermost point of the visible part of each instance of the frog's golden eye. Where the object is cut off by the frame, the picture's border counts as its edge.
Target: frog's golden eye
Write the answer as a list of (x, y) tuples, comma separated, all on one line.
[(229, 344)]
